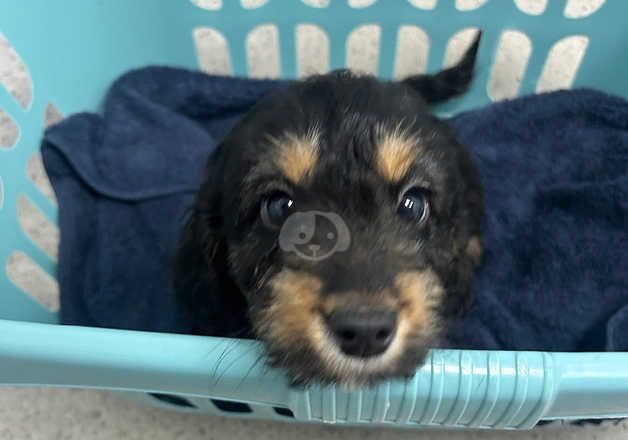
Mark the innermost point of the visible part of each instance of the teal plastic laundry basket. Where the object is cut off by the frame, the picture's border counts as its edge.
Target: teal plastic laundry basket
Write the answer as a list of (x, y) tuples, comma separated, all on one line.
[(73, 49)]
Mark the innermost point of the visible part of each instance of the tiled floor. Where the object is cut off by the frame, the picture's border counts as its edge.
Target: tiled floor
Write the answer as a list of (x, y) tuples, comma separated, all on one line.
[(43, 414)]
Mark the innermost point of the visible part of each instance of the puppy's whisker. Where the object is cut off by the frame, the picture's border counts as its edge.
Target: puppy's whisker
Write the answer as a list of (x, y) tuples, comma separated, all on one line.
[(221, 359), (251, 368)]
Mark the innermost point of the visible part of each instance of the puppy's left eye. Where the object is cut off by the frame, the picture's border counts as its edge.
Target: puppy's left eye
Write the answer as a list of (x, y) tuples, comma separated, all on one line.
[(414, 206), (276, 208)]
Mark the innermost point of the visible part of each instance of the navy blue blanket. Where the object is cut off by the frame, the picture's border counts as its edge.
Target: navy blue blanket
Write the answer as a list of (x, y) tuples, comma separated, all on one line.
[(554, 167)]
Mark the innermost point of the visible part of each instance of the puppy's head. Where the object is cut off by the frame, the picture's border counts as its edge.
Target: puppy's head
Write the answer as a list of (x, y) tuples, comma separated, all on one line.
[(345, 219)]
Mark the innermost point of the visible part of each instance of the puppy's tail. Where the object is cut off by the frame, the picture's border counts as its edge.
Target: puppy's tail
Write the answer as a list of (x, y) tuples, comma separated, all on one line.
[(450, 82)]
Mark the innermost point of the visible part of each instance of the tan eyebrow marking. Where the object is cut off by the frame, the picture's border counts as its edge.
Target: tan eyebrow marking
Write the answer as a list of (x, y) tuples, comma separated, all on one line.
[(297, 155), (396, 151)]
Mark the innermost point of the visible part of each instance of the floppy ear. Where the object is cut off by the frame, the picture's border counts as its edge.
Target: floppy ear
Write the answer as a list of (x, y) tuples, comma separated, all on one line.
[(466, 252), (201, 273), (450, 82)]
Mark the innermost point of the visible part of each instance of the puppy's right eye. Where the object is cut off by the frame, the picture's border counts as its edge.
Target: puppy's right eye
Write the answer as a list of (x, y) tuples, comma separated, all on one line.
[(276, 208), (414, 206)]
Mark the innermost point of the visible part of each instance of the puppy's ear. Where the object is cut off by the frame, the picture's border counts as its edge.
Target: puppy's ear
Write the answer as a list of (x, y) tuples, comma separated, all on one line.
[(201, 273), (450, 82), (467, 248)]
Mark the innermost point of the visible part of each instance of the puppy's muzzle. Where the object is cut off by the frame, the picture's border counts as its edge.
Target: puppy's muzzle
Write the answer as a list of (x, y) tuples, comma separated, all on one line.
[(362, 334)]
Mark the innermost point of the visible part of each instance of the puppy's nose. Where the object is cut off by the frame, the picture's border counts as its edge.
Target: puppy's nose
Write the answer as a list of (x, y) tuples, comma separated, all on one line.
[(363, 334)]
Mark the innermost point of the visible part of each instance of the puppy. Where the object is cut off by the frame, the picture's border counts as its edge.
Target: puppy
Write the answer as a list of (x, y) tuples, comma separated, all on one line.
[(339, 223)]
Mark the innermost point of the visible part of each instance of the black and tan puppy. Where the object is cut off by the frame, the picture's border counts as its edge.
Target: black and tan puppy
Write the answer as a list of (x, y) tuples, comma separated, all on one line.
[(339, 223)]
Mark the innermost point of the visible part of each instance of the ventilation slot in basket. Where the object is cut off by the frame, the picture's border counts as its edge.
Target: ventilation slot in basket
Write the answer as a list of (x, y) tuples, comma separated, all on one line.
[(358, 4), (173, 400), (510, 65), (37, 227), (36, 172), (458, 45), (9, 131), (210, 5), (212, 51), (52, 115), (469, 5), (262, 51), (252, 4), (563, 62), (532, 7), (316, 3), (413, 46), (285, 412), (582, 8), (363, 48), (232, 407), (312, 49), (424, 4), (14, 74), (33, 280)]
